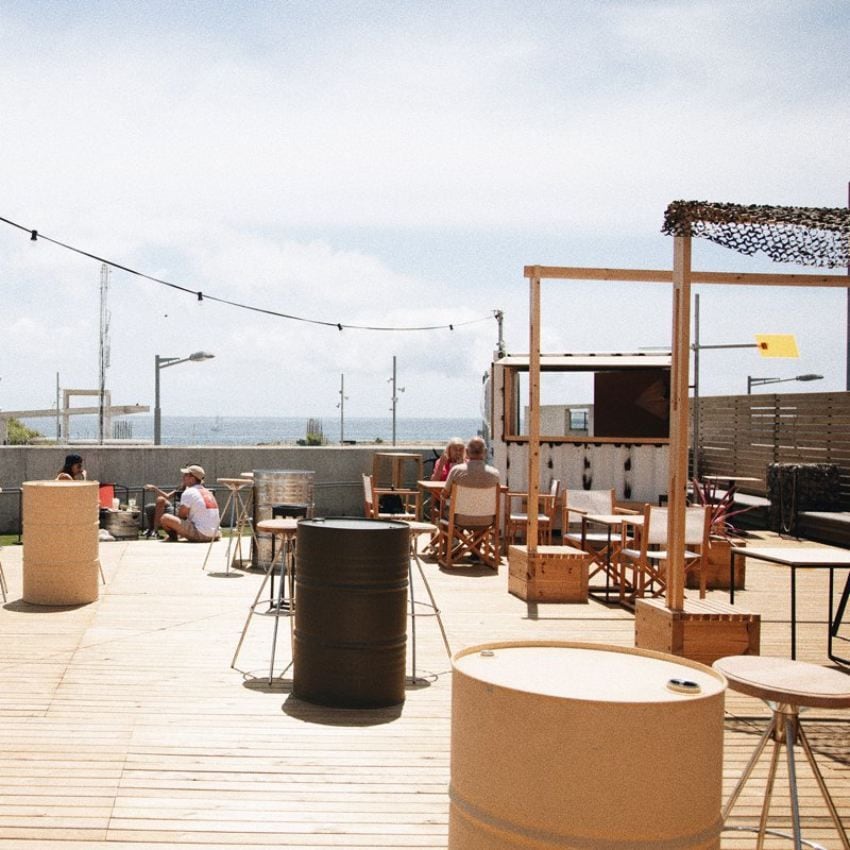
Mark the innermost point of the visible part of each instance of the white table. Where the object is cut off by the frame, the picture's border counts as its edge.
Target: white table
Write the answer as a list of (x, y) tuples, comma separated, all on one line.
[(801, 557)]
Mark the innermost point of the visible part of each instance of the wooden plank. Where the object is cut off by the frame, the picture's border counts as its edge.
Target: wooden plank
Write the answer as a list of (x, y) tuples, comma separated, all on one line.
[(667, 276), (123, 726)]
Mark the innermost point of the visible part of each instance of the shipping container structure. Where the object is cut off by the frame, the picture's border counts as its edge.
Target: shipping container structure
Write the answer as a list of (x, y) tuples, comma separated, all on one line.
[(604, 421)]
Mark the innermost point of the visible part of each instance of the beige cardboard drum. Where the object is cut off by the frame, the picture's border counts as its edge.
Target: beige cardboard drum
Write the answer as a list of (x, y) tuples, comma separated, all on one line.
[(584, 746), (60, 558)]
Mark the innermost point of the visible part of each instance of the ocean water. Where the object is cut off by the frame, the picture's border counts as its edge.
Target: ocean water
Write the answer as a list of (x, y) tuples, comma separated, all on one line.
[(266, 430)]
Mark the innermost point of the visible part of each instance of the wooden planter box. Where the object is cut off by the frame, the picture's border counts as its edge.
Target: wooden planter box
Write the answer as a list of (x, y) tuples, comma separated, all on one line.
[(551, 574), (705, 631), (717, 566)]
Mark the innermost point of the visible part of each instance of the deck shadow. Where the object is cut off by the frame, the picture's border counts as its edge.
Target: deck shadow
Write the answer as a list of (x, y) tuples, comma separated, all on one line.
[(324, 715), (31, 608)]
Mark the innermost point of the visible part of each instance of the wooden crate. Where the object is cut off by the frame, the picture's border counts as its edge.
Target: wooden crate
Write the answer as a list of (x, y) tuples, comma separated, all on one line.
[(551, 574), (705, 631)]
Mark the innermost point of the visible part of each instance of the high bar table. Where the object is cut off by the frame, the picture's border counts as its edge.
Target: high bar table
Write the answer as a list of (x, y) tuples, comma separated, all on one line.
[(786, 686), (286, 529), (240, 517), (417, 529)]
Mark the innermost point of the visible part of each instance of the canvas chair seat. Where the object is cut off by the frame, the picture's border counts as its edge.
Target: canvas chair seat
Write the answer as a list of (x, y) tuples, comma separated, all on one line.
[(516, 522), (523, 518), (592, 538)]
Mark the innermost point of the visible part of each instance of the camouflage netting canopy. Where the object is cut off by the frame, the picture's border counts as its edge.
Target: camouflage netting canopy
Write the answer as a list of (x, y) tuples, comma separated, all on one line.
[(809, 236)]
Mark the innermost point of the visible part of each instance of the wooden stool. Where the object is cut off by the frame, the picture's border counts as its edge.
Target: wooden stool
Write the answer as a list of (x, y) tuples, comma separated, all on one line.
[(285, 529), (417, 529), (786, 686), (240, 517)]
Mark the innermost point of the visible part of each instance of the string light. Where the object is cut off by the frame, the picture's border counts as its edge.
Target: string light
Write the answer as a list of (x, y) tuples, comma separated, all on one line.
[(34, 235)]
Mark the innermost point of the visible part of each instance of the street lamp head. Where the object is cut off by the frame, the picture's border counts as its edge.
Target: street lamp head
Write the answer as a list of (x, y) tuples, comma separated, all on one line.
[(163, 363), (809, 378)]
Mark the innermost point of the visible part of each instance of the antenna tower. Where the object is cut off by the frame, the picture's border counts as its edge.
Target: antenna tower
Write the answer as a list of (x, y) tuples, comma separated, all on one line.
[(104, 347)]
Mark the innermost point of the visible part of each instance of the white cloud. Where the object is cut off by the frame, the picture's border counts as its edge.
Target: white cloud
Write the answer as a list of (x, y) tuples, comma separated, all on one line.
[(384, 164)]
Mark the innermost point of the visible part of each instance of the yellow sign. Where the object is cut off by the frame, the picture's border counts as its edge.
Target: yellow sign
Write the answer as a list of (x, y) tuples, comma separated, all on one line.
[(777, 345)]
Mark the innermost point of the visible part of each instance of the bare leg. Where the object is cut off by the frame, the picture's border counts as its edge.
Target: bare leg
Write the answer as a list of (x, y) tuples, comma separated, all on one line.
[(158, 512), (171, 524)]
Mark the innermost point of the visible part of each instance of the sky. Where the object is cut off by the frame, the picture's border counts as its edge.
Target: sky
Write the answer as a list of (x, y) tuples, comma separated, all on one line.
[(396, 165)]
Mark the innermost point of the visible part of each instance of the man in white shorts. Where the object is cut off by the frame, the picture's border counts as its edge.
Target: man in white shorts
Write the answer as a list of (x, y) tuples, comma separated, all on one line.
[(197, 517)]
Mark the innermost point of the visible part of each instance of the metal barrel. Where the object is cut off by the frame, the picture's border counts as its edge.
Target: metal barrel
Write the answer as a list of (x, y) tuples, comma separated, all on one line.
[(543, 730), (274, 488), (350, 638)]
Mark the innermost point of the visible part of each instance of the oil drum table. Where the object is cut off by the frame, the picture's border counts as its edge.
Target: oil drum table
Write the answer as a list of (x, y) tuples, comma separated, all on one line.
[(351, 584), (569, 745)]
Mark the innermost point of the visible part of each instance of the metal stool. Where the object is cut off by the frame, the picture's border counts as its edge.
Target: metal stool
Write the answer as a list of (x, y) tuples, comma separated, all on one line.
[(786, 686), (417, 529), (240, 518), (285, 529)]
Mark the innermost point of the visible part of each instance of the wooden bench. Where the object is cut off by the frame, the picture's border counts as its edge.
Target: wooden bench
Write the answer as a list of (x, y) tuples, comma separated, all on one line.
[(831, 527)]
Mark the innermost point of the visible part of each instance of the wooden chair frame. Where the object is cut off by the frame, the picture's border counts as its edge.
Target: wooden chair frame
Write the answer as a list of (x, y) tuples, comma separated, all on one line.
[(603, 546), (516, 524), (410, 500), (647, 552), (459, 539)]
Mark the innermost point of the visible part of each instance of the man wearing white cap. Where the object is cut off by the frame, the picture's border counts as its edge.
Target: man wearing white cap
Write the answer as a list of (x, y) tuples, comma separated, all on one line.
[(197, 514)]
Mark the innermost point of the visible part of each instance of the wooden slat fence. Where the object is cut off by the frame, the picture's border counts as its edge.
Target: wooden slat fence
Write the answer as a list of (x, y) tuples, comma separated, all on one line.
[(742, 434)]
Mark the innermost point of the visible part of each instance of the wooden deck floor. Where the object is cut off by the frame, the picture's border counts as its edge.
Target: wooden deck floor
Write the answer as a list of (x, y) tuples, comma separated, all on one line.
[(123, 725)]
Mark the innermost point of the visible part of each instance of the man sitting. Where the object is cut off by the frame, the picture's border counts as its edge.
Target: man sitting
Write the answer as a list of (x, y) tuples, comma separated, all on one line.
[(197, 517), (473, 473)]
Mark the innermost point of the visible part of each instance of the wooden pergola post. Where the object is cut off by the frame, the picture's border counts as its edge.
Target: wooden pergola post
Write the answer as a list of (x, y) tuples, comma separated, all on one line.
[(679, 382), (533, 488)]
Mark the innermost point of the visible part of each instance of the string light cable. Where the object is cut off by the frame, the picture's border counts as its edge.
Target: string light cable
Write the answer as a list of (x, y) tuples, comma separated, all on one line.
[(35, 235)]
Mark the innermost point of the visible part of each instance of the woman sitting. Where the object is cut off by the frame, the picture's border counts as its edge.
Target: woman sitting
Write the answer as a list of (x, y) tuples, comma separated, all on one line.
[(452, 456)]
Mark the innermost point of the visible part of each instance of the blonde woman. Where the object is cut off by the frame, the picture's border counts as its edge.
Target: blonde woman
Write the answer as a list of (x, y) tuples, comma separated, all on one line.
[(452, 456)]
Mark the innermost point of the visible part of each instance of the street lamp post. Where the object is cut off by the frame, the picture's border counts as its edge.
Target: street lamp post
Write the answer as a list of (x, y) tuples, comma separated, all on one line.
[(163, 363), (396, 391), (341, 406), (756, 382)]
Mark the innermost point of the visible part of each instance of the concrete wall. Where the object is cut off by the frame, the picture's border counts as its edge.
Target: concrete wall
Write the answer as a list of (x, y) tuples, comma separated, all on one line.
[(338, 486)]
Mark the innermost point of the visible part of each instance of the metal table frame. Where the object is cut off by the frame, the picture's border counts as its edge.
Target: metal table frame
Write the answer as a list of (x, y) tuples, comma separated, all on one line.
[(811, 557)]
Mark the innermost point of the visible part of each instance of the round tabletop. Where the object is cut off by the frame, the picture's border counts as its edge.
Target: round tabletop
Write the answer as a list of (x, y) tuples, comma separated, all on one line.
[(786, 681), (236, 483), (586, 672), (417, 527), (284, 526)]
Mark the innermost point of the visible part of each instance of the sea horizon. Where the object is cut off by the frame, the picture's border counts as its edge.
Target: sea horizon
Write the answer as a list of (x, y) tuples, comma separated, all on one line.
[(267, 430)]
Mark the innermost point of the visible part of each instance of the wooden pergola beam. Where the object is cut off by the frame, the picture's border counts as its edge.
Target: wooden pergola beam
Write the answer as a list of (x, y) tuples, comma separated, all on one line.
[(666, 276), (681, 276)]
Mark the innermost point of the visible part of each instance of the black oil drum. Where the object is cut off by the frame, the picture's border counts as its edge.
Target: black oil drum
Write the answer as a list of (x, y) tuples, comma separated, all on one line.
[(351, 581)]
